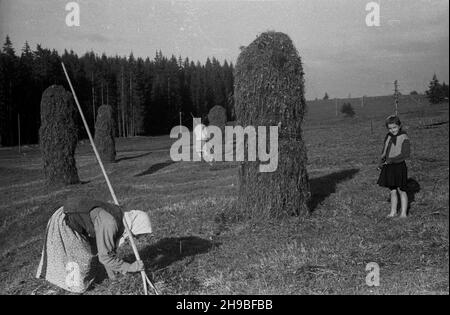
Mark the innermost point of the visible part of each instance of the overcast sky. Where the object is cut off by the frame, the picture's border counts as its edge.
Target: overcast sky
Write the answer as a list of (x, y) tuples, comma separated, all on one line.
[(341, 54)]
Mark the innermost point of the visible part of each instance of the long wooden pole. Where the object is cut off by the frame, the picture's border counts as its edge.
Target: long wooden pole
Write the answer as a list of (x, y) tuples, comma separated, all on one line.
[(145, 279), (396, 97), (336, 107)]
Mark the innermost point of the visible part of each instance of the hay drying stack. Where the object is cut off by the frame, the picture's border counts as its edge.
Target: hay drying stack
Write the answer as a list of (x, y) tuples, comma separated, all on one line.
[(58, 136), (217, 116), (104, 134), (269, 89)]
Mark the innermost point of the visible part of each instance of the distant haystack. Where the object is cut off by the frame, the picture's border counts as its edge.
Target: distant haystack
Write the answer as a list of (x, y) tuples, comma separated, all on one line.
[(58, 136), (217, 116), (104, 134), (269, 91)]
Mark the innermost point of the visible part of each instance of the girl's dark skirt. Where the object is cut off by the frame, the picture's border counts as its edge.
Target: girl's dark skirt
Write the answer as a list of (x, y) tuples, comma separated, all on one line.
[(394, 176)]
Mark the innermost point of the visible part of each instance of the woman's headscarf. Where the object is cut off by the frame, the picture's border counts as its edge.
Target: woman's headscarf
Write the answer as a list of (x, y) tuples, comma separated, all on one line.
[(139, 223)]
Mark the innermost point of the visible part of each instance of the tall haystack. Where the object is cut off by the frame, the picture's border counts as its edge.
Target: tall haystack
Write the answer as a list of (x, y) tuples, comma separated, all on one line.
[(217, 116), (269, 90), (104, 134), (58, 136)]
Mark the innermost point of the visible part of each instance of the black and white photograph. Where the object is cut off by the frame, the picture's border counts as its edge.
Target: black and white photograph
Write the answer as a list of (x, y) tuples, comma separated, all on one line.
[(224, 153)]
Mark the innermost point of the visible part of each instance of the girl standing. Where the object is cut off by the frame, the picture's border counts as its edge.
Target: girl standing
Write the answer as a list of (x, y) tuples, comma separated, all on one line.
[(394, 173)]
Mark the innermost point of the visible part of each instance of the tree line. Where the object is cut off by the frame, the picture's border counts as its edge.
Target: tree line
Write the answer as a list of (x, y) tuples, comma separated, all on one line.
[(147, 96), (437, 92)]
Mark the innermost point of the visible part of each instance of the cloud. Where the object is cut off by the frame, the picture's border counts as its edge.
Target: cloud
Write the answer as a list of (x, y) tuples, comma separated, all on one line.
[(97, 38), (87, 37), (430, 46)]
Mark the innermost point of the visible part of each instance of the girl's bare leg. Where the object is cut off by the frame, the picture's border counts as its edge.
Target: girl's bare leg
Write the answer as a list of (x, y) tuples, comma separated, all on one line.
[(394, 202), (404, 203)]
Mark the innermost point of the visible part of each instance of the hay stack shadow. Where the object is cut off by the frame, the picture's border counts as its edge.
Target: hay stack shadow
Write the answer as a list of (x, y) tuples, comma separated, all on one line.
[(169, 250), (154, 168), (125, 158), (324, 186), (412, 188)]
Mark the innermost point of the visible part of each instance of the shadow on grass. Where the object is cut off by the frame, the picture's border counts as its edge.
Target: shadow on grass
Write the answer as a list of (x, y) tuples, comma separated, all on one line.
[(169, 250), (125, 158), (412, 188), (324, 186), (162, 254), (154, 168), (219, 166)]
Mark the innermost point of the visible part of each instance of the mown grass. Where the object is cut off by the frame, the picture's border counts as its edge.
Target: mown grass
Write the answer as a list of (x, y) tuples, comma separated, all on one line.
[(198, 247)]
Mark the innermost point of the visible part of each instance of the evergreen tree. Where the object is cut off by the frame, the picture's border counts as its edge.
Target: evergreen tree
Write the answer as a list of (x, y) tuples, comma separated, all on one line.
[(208, 78), (347, 110), (139, 97), (445, 90), (3, 112), (27, 110), (196, 91), (9, 92), (434, 92), (8, 47)]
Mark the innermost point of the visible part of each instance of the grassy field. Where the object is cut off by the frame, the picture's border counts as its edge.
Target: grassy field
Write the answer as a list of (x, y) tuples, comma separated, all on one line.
[(197, 247)]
